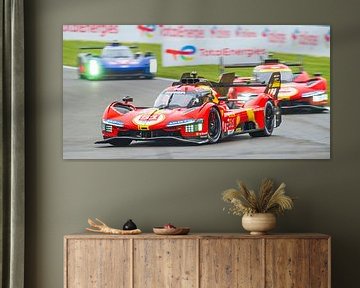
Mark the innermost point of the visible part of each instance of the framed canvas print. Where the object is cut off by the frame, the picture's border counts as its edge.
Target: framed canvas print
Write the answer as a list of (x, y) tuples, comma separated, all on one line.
[(196, 91)]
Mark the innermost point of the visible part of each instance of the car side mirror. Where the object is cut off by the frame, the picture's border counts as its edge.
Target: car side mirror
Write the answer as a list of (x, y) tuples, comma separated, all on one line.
[(317, 74), (127, 99)]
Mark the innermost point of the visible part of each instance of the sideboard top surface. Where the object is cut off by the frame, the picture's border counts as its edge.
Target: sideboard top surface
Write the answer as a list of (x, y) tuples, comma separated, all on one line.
[(86, 235)]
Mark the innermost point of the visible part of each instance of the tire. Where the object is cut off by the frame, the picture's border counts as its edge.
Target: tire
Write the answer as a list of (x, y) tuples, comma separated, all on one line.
[(214, 126), (269, 119), (120, 142)]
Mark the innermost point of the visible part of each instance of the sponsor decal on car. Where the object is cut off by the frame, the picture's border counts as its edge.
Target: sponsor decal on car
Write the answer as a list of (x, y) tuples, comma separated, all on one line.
[(287, 92), (148, 119), (119, 62), (250, 114)]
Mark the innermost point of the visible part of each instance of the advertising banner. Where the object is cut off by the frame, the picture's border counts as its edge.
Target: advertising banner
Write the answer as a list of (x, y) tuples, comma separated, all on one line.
[(295, 39), (120, 33), (205, 51), (203, 44)]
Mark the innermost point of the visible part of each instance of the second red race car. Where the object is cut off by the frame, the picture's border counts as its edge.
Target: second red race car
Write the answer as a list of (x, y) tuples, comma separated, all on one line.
[(299, 91), (193, 110)]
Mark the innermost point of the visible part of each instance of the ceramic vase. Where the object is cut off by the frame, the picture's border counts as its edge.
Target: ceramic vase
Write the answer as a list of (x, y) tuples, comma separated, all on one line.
[(259, 223)]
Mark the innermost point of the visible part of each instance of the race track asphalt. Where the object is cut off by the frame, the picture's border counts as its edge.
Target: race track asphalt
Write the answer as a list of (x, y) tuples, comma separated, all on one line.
[(300, 136)]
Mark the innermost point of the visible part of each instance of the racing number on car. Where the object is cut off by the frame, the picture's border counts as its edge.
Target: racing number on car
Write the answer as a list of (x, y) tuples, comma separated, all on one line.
[(148, 119), (272, 91), (274, 84)]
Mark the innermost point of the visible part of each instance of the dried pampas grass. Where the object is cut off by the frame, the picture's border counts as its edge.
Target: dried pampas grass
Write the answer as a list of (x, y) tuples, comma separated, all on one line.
[(267, 200)]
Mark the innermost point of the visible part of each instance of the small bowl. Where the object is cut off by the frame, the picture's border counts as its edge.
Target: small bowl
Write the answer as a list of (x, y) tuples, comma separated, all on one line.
[(171, 231)]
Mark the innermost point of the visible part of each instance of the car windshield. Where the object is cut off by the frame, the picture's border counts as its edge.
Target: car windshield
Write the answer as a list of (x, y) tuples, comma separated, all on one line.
[(122, 52), (176, 99), (263, 77)]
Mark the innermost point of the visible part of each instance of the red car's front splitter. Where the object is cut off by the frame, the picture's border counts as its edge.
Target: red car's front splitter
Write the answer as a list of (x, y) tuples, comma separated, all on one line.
[(113, 140)]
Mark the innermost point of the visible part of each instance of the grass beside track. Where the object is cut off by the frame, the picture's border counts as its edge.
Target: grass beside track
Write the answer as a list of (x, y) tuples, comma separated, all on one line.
[(311, 64)]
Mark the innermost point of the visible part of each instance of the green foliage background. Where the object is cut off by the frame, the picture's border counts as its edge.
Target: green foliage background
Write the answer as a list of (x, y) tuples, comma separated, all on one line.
[(311, 64)]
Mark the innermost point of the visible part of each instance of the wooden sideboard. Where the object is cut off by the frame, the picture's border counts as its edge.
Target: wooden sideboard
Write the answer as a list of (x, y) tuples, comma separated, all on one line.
[(197, 261)]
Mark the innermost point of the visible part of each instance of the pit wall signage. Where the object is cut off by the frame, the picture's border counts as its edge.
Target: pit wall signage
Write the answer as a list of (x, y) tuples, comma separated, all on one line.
[(199, 44)]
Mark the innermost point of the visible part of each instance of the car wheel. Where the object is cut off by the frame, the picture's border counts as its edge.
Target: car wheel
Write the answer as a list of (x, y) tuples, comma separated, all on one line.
[(269, 119), (120, 142), (214, 126)]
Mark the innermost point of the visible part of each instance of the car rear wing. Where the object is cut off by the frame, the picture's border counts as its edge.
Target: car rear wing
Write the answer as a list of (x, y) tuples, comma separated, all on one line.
[(272, 88), (269, 61), (227, 80), (113, 44), (90, 48)]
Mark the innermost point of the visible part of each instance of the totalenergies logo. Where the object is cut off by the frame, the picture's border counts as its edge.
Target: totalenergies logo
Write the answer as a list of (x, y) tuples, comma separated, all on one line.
[(265, 32), (245, 33), (327, 36), (185, 52), (274, 36), (147, 30), (219, 32), (295, 34), (305, 38)]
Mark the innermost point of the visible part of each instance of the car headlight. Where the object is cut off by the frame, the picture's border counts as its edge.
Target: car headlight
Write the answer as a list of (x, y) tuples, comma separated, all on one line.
[(196, 127), (244, 97), (109, 122), (106, 127), (94, 68), (321, 97), (180, 122), (317, 96)]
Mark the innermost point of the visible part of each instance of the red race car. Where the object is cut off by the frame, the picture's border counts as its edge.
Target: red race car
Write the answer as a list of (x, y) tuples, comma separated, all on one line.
[(298, 90), (193, 110)]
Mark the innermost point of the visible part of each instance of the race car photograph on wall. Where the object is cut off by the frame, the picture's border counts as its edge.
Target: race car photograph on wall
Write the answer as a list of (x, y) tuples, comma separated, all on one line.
[(194, 110), (299, 91), (245, 112), (116, 61)]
